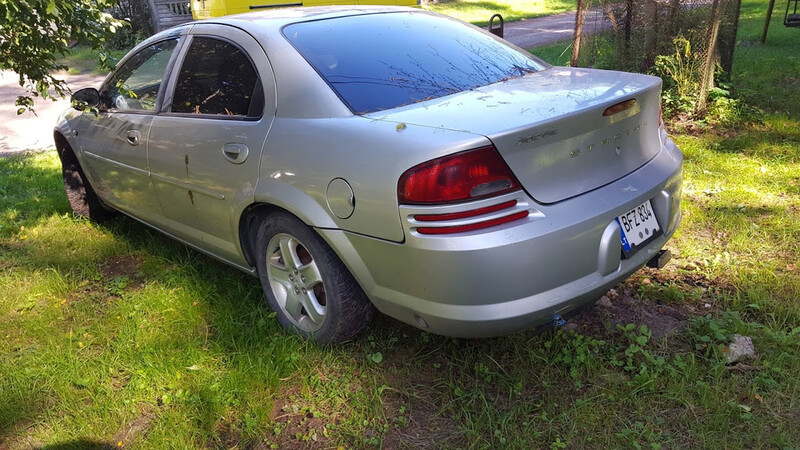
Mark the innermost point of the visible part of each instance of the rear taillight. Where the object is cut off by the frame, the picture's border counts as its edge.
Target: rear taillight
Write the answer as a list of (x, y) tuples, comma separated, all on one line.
[(469, 175)]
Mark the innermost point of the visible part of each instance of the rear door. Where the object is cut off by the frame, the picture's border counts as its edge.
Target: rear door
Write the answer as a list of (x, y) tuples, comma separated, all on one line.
[(114, 142), (205, 148)]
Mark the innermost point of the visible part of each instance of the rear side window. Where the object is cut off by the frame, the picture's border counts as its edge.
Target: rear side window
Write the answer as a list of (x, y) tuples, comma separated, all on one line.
[(381, 61), (217, 78)]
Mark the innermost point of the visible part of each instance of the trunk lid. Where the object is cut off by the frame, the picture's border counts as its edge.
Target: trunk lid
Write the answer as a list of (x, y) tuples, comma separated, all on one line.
[(549, 126)]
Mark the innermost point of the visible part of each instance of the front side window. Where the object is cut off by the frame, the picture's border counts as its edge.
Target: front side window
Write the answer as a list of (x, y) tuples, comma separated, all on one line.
[(381, 61), (217, 78), (135, 85)]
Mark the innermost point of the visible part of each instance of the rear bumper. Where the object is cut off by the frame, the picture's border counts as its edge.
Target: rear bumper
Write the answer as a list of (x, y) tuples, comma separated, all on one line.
[(519, 275)]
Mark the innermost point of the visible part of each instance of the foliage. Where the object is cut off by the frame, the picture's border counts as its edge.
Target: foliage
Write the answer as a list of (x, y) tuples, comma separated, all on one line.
[(34, 33), (138, 14), (681, 72)]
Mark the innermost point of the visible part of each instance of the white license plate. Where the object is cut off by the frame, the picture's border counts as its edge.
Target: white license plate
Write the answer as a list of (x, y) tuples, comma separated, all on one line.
[(639, 225)]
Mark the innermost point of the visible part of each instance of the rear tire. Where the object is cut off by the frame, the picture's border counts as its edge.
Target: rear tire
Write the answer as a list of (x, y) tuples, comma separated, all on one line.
[(81, 196), (306, 283)]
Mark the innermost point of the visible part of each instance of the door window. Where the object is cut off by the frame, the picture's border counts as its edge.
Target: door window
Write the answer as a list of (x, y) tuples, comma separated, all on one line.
[(217, 78), (135, 85)]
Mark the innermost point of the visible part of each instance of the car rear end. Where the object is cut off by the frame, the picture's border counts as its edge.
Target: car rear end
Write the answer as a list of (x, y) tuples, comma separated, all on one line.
[(575, 187), (537, 226)]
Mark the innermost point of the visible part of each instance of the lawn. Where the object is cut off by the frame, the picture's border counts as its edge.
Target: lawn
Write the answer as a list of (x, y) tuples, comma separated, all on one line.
[(478, 12), (115, 336), (83, 59)]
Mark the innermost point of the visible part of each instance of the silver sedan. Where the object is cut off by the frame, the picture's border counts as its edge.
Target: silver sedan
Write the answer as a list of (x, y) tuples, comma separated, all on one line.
[(385, 158)]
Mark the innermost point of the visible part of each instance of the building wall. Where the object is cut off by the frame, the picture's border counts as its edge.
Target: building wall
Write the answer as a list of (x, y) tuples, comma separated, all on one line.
[(168, 13)]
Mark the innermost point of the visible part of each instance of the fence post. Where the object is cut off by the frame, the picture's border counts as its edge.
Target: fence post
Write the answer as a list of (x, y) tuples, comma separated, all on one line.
[(707, 79), (628, 25), (766, 23), (729, 42), (576, 37)]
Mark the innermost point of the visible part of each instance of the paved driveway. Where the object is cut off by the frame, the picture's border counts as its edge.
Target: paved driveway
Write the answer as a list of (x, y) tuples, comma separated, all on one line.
[(545, 30), (31, 131)]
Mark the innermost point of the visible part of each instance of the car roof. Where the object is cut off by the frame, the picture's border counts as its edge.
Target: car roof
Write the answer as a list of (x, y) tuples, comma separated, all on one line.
[(277, 18)]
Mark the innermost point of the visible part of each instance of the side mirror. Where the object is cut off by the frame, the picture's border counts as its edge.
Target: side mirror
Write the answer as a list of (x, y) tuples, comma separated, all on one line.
[(86, 98)]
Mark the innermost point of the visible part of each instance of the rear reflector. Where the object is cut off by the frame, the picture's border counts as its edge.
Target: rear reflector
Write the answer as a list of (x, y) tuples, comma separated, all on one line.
[(465, 214), (469, 175), (473, 226)]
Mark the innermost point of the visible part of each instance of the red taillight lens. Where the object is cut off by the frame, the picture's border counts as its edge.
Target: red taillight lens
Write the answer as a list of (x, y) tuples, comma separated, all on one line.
[(463, 176)]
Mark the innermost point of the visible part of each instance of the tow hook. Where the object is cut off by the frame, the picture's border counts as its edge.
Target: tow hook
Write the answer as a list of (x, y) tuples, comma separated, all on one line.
[(660, 260)]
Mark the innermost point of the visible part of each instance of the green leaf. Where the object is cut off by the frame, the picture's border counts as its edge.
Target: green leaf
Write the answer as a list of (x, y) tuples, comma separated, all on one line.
[(51, 7), (376, 357)]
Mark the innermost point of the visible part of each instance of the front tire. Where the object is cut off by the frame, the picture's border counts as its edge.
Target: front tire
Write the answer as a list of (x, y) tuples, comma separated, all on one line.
[(81, 196), (306, 283)]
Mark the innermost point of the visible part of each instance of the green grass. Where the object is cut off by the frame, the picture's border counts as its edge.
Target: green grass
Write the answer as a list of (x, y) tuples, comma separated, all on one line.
[(768, 75), (478, 12), (82, 59), (557, 53), (115, 335)]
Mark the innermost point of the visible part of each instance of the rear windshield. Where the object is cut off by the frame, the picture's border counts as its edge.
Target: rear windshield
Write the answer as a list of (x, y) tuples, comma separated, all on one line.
[(381, 61)]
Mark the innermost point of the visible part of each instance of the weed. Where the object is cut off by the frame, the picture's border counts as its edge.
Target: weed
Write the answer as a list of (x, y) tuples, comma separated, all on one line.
[(681, 72)]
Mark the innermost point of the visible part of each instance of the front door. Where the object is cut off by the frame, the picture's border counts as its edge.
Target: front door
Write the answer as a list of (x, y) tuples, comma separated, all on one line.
[(114, 142), (206, 148)]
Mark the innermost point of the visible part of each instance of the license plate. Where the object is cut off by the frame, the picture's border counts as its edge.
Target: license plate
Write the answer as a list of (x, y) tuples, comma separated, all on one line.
[(639, 226)]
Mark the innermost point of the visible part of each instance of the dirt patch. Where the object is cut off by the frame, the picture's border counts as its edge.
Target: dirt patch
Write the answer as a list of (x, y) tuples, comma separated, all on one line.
[(422, 426), (121, 266), (410, 405), (299, 423), (133, 430), (226, 436), (621, 307)]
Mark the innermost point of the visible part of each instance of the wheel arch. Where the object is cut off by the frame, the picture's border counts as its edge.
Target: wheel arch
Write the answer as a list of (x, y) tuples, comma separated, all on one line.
[(278, 196), (63, 147)]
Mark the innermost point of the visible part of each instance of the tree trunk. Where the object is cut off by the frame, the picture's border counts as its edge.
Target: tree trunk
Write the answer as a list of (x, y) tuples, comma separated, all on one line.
[(576, 38)]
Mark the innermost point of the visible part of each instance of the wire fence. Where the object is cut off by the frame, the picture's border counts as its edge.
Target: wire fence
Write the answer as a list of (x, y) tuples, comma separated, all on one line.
[(685, 40)]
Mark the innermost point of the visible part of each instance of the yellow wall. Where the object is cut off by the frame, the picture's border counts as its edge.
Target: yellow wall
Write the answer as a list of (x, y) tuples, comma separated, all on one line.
[(203, 9)]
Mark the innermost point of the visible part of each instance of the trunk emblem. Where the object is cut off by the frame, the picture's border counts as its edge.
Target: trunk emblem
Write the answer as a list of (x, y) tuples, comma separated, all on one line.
[(536, 137), (617, 138)]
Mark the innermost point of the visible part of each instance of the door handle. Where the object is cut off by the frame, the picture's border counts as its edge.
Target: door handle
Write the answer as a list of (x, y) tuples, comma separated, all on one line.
[(235, 153), (133, 137)]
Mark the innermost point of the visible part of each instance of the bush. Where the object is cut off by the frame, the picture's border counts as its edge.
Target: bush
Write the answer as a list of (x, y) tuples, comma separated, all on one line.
[(136, 13)]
